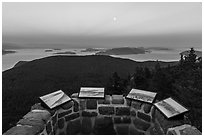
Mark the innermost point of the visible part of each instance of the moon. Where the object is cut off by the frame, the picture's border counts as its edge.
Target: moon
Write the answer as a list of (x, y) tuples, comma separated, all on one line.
[(114, 19)]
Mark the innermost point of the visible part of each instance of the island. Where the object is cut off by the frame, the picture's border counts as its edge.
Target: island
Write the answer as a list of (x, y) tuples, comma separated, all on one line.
[(48, 50), (65, 52), (122, 51), (90, 50), (159, 48), (56, 49), (4, 52)]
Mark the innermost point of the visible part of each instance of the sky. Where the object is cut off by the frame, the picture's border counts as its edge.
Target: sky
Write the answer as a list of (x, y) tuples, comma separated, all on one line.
[(102, 25)]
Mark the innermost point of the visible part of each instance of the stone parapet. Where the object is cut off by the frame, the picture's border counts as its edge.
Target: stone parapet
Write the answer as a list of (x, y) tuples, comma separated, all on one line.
[(112, 115)]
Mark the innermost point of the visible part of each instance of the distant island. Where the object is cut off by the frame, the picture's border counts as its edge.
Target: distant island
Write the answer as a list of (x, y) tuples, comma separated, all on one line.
[(56, 49), (158, 48), (48, 50), (123, 51), (90, 50), (66, 52), (4, 52)]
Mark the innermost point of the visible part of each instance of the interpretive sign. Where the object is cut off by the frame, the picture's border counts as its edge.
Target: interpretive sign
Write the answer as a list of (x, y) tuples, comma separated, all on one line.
[(170, 107), (90, 92), (55, 99), (142, 95)]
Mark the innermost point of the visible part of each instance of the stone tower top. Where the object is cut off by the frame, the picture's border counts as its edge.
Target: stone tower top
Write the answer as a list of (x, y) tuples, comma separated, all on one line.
[(112, 115)]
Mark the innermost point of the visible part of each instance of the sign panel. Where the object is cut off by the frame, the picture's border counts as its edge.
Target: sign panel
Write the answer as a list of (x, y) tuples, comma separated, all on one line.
[(55, 99), (142, 95), (170, 107), (90, 92)]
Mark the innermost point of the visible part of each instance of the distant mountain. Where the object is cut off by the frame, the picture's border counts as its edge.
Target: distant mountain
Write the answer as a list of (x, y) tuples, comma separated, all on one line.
[(186, 53), (4, 52), (122, 51)]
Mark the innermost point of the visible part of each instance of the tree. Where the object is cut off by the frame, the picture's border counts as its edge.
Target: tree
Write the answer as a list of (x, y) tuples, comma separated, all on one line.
[(116, 79), (181, 60), (147, 73), (157, 66), (190, 60), (140, 79)]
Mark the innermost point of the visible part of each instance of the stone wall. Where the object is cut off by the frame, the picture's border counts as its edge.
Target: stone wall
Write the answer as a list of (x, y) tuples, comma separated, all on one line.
[(113, 115)]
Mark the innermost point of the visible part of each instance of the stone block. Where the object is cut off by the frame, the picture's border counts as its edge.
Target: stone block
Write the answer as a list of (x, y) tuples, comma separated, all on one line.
[(122, 120), (38, 116), (48, 127), (82, 104), (152, 113), (55, 129), (76, 106), (156, 129), (172, 132), (143, 116), (117, 99), (54, 119), (67, 105), (141, 125), (89, 113), (91, 104), (31, 122), (106, 110), (64, 113), (117, 120), (104, 126), (37, 106), (128, 102), (122, 111), (23, 130), (122, 129), (86, 126), (168, 123), (126, 119), (71, 116), (106, 100), (74, 127), (134, 131), (183, 130), (147, 107), (136, 104), (62, 133), (60, 123), (133, 113)]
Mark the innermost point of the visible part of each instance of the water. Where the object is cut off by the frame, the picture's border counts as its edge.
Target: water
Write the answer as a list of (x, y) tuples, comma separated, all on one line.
[(9, 60)]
